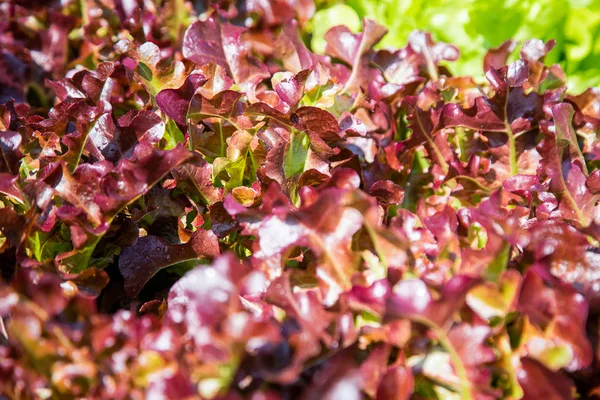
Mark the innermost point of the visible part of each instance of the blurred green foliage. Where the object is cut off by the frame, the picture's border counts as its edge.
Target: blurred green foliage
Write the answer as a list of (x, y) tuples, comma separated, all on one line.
[(476, 25)]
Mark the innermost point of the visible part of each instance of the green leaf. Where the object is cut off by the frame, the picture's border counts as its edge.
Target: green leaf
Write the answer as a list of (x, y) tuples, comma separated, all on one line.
[(556, 357), (498, 265), (35, 244), (295, 155), (45, 246), (328, 97), (235, 170), (235, 163), (144, 71), (172, 135), (78, 260)]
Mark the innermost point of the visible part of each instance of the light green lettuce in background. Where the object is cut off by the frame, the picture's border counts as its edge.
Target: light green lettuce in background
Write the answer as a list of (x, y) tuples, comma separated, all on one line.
[(476, 25)]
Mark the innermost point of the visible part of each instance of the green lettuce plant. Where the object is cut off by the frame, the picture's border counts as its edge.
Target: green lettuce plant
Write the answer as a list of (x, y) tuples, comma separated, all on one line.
[(477, 25)]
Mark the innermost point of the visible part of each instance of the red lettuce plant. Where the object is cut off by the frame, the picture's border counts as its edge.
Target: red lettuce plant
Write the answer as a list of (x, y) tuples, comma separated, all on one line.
[(204, 208)]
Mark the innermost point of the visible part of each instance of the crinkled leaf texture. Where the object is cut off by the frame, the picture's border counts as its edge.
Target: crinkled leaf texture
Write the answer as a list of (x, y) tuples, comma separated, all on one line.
[(194, 209)]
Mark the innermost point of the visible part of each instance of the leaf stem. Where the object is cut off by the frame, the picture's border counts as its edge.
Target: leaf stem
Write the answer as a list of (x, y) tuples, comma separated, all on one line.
[(512, 144), (512, 147), (84, 12), (473, 181), (221, 141), (569, 197), (461, 371), (376, 245), (438, 154)]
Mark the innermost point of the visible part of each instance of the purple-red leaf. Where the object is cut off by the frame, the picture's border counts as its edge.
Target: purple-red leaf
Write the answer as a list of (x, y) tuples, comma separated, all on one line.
[(213, 42), (175, 102), (355, 49), (150, 254)]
